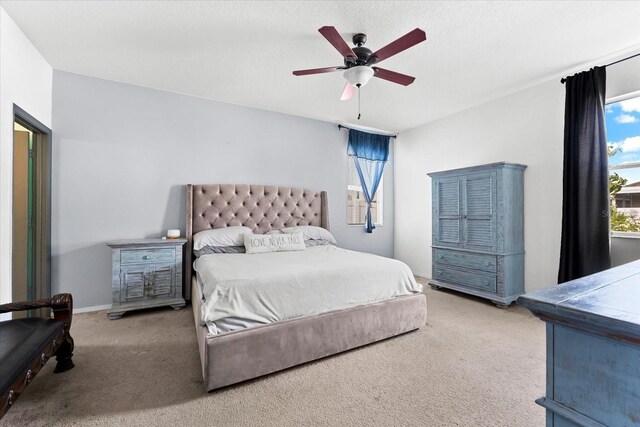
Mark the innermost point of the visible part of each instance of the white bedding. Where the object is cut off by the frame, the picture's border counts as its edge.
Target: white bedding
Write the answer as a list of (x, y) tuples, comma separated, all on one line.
[(244, 290)]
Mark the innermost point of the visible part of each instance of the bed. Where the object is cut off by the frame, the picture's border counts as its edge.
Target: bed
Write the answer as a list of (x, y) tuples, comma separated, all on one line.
[(232, 357)]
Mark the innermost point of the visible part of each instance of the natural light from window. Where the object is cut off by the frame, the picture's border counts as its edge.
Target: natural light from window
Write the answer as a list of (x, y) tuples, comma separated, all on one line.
[(623, 136), (356, 203)]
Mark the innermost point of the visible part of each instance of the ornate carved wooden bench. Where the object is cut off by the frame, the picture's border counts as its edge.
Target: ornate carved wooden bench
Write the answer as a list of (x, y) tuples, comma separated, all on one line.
[(26, 345)]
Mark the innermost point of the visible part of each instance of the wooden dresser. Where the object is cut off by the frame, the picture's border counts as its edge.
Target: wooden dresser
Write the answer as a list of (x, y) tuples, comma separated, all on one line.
[(593, 348), (478, 231), (146, 273)]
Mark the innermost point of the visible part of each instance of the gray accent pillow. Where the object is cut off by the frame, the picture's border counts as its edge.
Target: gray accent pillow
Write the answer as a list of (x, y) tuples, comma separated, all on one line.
[(312, 233), (279, 231), (317, 242), (219, 250)]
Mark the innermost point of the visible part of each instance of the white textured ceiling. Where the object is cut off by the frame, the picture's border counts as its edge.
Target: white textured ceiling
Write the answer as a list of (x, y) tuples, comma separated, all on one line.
[(244, 52)]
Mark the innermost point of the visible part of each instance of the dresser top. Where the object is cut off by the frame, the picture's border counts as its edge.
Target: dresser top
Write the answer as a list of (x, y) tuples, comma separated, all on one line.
[(479, 168), (609, 301), (146, 242)]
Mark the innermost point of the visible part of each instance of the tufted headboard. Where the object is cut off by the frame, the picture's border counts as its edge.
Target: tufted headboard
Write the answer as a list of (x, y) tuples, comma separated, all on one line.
[(259, 207)]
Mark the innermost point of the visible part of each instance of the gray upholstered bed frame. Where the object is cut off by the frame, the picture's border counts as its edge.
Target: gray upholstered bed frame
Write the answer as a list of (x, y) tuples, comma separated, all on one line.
[(237, 356)]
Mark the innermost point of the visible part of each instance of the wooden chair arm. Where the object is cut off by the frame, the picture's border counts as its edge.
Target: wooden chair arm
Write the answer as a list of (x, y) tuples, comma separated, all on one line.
[(62, 307), (61, 304)]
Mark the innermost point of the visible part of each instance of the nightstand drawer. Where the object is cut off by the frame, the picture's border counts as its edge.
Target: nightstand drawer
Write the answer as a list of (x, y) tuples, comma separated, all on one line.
[(480, 281), (467, 260), (147, 256)]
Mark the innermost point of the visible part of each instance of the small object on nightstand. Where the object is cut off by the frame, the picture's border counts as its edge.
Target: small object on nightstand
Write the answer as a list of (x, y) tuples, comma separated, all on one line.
[(173, 234), (146, 273)]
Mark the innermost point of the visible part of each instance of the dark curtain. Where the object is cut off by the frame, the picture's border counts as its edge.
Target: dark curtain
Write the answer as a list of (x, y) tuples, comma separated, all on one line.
[(370, 153), (585, 207)]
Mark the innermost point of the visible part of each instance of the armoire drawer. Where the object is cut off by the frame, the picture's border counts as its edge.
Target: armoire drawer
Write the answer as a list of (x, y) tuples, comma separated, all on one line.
[(480, 281), (462, 259)]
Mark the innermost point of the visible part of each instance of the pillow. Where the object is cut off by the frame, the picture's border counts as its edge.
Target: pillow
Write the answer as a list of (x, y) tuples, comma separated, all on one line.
[(219, 250), (279, 231), (312, 243), (311, 232), (258, 244), (228, 236)]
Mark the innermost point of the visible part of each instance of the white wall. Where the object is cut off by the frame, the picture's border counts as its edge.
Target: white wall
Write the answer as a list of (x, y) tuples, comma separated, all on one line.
[(523, 128), (122, 155), (526, 127), (25, 80), (623, 78)]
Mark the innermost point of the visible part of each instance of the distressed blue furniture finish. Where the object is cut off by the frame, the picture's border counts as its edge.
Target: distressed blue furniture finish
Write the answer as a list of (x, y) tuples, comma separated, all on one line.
[(146, 273), (478, 231), (593, 348)]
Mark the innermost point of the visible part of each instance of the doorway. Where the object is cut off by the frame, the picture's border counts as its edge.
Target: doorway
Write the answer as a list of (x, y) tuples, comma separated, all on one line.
[(31, 231)]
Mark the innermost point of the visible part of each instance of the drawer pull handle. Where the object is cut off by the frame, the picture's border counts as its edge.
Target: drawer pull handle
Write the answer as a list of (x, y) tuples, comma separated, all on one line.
[(146, 257), (440, 256), (486, 282), (487, 263)]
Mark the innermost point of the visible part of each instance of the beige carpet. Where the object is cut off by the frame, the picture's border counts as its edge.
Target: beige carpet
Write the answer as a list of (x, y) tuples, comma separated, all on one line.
[(471, 365)]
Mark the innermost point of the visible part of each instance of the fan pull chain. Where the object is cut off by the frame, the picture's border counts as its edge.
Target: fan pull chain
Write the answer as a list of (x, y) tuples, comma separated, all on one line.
[(358, 102)]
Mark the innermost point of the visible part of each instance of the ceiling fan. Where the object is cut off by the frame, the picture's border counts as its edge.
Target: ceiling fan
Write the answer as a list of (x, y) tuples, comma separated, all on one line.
[(358, 61)]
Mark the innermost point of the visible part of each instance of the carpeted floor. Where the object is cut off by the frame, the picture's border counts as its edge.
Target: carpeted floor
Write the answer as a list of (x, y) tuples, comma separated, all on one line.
[(471, 365)]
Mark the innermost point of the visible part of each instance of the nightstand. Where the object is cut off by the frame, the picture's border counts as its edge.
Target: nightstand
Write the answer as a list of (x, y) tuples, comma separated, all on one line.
[(146, 273)]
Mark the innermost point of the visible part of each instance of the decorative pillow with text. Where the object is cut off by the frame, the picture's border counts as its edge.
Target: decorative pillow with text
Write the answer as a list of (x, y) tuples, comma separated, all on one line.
[(258, 244)]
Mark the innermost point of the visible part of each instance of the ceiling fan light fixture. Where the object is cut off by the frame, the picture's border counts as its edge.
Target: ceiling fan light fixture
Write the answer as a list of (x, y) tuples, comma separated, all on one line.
[(359, 75)]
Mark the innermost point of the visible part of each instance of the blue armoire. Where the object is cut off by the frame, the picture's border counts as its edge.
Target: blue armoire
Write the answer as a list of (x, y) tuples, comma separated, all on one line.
[(478, 231)]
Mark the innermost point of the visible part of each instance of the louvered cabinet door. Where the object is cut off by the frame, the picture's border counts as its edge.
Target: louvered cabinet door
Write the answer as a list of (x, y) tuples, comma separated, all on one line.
[(133, 282), (447, 213), (162, 281), (479, 206)]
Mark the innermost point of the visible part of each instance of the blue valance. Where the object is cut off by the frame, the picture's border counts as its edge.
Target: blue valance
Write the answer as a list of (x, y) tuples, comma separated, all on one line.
[(368, 146)]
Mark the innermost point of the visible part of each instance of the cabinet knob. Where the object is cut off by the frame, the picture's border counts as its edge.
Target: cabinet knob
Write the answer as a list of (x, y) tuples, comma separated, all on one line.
[(487, 263), (486, 282), (440, 256), (146, 257)]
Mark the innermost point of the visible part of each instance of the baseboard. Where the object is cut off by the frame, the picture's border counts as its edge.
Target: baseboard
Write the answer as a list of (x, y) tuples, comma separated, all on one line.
[(89, 309)]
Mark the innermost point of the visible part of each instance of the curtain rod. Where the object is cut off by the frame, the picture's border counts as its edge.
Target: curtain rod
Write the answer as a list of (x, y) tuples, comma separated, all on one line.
[(344, 127), (564, 79)]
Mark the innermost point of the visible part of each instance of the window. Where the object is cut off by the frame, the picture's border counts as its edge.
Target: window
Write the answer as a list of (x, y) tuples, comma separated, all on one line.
[(356, 203), (623, 135)]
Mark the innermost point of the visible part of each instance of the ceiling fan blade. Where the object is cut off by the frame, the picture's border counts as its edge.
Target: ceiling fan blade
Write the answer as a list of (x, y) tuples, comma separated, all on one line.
[(392, 76), (333, 37), (410, 39), (347, 93), (315, 71)]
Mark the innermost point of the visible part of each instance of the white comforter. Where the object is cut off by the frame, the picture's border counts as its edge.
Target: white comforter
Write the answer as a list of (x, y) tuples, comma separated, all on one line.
[(243, 290)]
